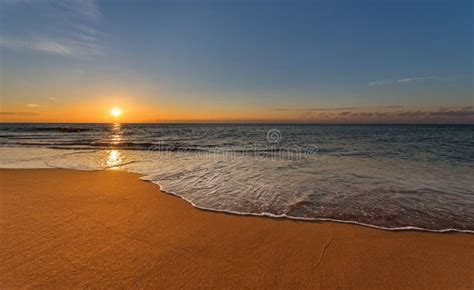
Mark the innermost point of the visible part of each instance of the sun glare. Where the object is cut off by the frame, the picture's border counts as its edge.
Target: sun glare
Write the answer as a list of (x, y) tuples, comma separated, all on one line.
[(116, 112)]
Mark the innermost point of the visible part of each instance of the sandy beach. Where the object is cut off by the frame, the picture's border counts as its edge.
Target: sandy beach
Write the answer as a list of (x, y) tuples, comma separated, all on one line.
[(65, 228)]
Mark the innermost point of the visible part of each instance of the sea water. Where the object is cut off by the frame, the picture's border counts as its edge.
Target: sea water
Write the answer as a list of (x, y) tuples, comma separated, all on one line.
[(387, 176)]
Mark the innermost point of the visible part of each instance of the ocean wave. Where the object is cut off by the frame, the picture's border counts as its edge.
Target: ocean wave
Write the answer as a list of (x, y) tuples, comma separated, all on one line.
[(313, 219), (47, 129), (420, 180), (206, 185)]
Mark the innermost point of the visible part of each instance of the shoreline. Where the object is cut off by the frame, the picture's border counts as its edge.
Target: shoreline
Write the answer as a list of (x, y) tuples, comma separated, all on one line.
[(63, 227), (302, 219), (415, 206), (261, 215)]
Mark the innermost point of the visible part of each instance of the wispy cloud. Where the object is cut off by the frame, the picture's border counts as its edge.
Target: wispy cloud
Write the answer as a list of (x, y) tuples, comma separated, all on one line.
[(32, 105), (440, 115), (345, 113), (41, 45), (405, 80), (390, 107), (454, 113), (417, 79), (52, 47), (380, 83), (317, 109), (20, 113), (329, 109), (53, 99), (64, 28), (333, 109), (84, 8)]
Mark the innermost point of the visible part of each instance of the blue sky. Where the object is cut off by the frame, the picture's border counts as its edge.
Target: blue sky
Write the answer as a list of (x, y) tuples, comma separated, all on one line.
[(259, 58)]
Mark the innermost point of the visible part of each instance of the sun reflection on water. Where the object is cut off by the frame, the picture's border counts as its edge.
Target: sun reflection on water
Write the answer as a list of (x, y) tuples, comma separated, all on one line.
[(116, 136), (114, 159)]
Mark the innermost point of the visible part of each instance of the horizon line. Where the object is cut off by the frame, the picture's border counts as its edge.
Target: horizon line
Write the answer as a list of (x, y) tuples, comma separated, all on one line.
[(235, 123)]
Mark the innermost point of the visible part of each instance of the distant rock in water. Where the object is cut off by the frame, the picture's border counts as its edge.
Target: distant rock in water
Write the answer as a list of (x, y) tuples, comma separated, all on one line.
[(65, 129), (46, 128)]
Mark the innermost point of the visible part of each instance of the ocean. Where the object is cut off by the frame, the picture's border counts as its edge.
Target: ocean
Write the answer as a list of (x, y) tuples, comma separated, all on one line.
[(394, 177)]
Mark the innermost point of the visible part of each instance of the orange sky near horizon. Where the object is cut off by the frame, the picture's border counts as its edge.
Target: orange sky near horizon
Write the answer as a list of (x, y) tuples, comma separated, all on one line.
[(100, 112), (88, 112)]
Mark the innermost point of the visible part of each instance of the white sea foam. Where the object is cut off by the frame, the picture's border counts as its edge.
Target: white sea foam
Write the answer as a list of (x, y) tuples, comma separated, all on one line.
[(384, 194)]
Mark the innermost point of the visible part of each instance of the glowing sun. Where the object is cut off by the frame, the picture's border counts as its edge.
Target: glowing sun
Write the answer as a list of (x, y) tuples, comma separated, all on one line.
[(116, 112)]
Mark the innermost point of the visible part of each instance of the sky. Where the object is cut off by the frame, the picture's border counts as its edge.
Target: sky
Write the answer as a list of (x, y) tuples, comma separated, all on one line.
[(339, 61)]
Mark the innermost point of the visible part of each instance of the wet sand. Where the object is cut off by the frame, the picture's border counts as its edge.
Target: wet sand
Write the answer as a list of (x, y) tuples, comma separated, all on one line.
[(66, 228)]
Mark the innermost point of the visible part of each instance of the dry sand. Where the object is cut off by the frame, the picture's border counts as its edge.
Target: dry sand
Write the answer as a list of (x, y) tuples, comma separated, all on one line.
[(64, 228)]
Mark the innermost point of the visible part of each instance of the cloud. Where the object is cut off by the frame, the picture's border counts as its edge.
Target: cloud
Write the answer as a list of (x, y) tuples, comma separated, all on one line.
[(40, 45), (345, 113), (338, 108), (464, 115), (443, 109), (317, 109), (417, 79), (85, 8), (411, 113), (20, 113), (53, 99), (32, 105), (63, 28), (453, 113), (385, 114), (405, 80), (380, 83), (419, 114), (52, 47), (390, 107), (333, 109)]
